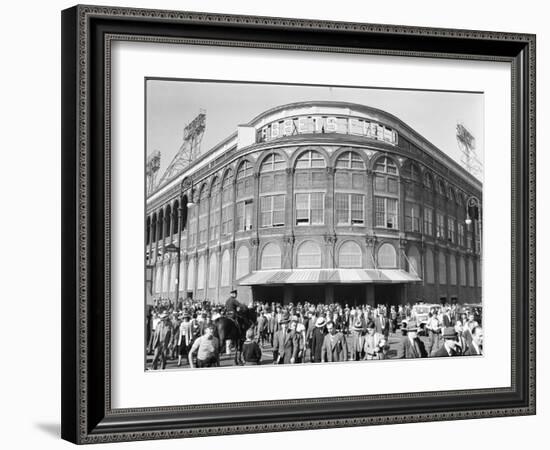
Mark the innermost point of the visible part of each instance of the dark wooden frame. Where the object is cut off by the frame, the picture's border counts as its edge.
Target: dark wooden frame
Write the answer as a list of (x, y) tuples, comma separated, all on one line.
[(87, 31)]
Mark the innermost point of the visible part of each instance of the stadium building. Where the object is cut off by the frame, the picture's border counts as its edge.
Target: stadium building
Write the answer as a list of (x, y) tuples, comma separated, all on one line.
[(319, 201)]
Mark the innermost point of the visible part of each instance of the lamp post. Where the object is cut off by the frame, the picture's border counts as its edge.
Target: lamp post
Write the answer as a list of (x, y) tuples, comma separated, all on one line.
[(177, 248)]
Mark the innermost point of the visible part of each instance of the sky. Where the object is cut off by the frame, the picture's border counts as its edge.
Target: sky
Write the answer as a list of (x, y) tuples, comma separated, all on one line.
[(172, 104)]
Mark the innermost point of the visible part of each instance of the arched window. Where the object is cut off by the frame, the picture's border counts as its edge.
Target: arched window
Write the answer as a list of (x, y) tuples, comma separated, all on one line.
[(440, 187), (411, 171), (175, 217), (227, 204), (243, 257), (215, 201), (226, 265), (191, 275), (428, 181), (245, 182), (452, 270), (309, 256), (168, 221), (160, 227), (193, 212), (430, 269), (201, 272), (387, 256), (213, 271), (414, 261), (272, 191), (385, 165), (203, 215), (154, 228), (350, 255), (442, 264), (310, 159), (271, 257), (462, 266), (350, 160)]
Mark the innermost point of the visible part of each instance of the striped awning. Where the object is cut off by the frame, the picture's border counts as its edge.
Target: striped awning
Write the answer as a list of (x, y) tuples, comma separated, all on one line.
[(314, 276)]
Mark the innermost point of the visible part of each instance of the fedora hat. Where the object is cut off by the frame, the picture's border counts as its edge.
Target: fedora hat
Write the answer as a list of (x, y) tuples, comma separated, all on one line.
[(321, 322)]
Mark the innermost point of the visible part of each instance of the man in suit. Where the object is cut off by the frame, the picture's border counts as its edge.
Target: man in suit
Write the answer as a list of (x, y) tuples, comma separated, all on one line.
[(335, 348), (382, 324), (357, 341), (450, 345), (476, 346), (285, 344), (411, 345), (374, 346), (161, 341), (317, 339), (447, 320)]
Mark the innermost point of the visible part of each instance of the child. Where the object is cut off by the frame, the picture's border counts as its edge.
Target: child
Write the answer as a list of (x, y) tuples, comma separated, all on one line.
[(252, 354)]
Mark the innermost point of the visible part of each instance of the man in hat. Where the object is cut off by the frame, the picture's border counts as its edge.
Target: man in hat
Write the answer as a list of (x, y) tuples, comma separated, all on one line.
[(335, 348), (232, 305), (450, 345), (357, 342), (185, 336), (411, 346), (285, 345), (317, 337), (476, 345), (161, 340)]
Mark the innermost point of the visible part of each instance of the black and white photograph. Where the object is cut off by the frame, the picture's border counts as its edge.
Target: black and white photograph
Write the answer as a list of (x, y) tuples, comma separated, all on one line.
[(307, 224)]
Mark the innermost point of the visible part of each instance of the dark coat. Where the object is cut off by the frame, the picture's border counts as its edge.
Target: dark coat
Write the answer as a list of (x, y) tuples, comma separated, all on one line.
[(442, 352), (406, 349), (285, 345), (382, 329), (335, 351), (317, 338), (471, 351)]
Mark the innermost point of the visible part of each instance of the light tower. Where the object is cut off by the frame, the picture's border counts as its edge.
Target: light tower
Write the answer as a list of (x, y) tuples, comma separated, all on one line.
[(467, 145), (151, 169), (189, 149)]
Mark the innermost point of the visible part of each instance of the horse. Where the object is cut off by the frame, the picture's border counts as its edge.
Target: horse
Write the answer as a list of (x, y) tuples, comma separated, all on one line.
[(226, 329)]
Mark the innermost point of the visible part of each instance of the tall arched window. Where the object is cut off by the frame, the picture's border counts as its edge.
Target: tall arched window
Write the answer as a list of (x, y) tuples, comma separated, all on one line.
[(411, 171), (175, 217), (160, 226), (203, 215), (148, 228), (442, 264), (387, 256), (310, 184), (452, 270), (309, 256), (386, 200), (201, 272), (165, 275), (213, 271), (350, 255), (245, 184), (428, 181), (192, 214), (154, 228), (227, 204), (462, 272), (226, 265), (271, 257), (349, 185), (243, 267), (168, 221), (191, 275), (430, 268), (215, 202), (272, 191), (414, 265)]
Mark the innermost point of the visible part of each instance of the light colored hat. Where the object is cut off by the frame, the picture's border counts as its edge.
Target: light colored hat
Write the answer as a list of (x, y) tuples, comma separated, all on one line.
[(321, 322), (358, 325)]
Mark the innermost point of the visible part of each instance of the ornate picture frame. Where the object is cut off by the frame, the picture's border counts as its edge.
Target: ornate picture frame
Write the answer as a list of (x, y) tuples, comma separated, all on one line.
[(88, 33)]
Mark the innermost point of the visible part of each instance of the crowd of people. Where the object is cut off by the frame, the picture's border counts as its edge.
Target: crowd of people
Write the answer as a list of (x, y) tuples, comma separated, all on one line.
[(304, 332)]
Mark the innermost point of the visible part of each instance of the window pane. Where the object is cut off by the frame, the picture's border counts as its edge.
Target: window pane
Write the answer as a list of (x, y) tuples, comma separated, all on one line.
[(392, 185), (342, 209), (309, 255), (380, 183), (317, 208), (380, 207), (350, 255), (357, 209), (341, 180), (358, 181)]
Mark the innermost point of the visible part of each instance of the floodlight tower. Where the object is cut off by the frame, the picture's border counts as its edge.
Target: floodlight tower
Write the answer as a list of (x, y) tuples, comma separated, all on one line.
[(189, 149), (151, 169), (467, 145)]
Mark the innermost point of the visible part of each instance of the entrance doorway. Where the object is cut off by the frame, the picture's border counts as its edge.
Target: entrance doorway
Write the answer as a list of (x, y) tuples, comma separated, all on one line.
[(352, 295), (388, 294), (268, 294)]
